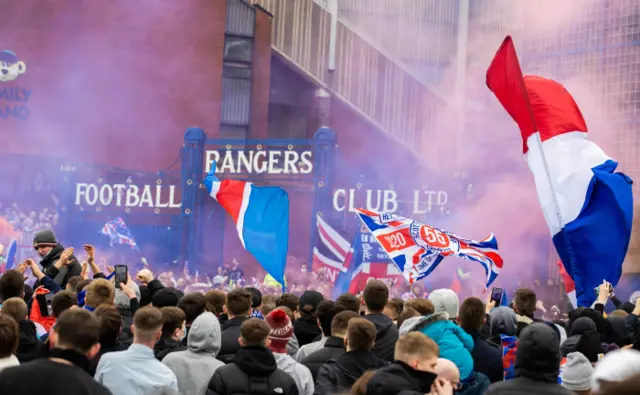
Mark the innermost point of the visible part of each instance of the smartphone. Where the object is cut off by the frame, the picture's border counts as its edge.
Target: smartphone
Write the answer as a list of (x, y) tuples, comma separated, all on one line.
[(121, 275), (597, 291), (44, 303), (496, 295)]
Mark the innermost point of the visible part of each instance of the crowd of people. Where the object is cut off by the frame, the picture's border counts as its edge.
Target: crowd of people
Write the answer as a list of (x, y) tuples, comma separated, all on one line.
[(67, 334)]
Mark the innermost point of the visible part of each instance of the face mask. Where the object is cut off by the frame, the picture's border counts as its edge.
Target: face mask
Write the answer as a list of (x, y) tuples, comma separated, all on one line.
[(184, 332)]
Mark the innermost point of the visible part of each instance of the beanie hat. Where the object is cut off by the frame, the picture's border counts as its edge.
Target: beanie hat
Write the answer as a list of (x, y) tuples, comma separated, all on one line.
[(281, 330), (616, 366), (45, 238), (576, 375), (445, 300)]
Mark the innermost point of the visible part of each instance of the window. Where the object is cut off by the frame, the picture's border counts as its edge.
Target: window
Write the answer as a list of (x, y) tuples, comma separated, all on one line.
[(238, 49), (236, 70), (233, 132)]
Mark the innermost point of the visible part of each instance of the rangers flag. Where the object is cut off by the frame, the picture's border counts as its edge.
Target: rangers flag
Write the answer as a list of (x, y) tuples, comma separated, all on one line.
[(417, 249)]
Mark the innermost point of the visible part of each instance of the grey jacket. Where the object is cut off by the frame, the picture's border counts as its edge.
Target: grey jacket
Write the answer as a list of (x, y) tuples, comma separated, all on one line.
[(195, 366), (298, 372)]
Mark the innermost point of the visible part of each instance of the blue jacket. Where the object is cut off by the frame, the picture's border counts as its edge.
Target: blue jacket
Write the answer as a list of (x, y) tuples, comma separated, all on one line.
[(455, 344)]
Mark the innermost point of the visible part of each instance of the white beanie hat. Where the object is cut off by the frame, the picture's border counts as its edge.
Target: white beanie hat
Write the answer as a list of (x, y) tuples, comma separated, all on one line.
[(445, 300), (577, 372), (616, 366)]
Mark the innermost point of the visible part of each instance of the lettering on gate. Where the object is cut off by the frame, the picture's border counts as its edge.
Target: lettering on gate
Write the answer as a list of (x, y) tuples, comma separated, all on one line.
[(388, 200), (260, 161), (127, 195)]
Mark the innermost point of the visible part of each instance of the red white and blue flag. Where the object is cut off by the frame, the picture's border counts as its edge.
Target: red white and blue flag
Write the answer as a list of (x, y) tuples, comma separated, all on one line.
[(118, 233), (586, 203), (330, 255), (417, 249), (261, 215)]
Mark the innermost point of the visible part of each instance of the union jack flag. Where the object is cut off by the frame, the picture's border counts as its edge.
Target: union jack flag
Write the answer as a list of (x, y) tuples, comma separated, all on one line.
[(118, 233), (417, 249)]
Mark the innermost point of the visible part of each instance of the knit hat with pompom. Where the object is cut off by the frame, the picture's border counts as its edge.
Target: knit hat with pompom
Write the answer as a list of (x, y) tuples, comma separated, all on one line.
[(281, 330)]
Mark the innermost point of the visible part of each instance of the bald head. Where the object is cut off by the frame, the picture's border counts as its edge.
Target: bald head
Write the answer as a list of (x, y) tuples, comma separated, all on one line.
[(447, 370)]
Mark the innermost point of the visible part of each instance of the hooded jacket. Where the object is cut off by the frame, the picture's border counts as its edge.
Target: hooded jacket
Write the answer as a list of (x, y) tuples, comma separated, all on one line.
[(229, 345), (195, 366), (306, 330), (339, 375), (59, 276), (537, 364), (253, 370), (29, 345), (167, 345), (386, 337), (333, 349), (400, 378), (455, 344), (298, 372), (584, 338)]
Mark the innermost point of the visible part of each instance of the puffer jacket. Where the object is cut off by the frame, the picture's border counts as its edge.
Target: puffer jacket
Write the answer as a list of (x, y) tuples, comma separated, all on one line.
[(455, 344), (400, 378), (253, 370)]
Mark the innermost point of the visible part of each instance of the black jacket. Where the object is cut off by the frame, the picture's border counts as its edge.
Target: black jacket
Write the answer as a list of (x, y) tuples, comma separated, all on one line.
[(537, 364), (29, 347), (487, 359), (147, 291), (339, 375), (400, 378), (253, 370), (44, 376), (166, 345), (386, 338), (60, 276), (306, 330), (333, 349), (229, 345)]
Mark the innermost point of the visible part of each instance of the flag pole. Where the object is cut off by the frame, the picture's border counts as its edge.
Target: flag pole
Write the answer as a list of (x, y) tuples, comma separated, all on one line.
[(538, 143)]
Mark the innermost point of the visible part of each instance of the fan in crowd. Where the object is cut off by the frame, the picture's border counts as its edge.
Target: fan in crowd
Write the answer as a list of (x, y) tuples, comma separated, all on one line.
[(84, 334)]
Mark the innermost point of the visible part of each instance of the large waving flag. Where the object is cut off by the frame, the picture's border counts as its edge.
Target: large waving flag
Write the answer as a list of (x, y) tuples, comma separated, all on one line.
[(261, 215), (587, 205), (417, 249)]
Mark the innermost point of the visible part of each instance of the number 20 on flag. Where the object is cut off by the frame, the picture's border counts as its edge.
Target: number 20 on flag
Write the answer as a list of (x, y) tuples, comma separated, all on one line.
[(396, 241)]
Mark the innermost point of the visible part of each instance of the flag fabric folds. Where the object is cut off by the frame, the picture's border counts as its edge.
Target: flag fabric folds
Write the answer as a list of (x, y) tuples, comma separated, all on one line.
[(330, 253), (569, 285), (366, 259), (417, 249), (118, 233), (587, 205), (261, 215), (11, 255)]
